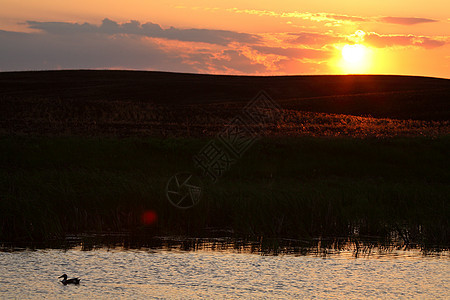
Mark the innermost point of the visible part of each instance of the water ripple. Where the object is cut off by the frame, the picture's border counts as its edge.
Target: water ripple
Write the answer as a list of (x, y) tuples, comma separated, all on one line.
[(107, 273)]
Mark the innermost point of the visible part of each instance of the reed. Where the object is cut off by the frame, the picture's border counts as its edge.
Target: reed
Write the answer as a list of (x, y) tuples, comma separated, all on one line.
[(301, 187)]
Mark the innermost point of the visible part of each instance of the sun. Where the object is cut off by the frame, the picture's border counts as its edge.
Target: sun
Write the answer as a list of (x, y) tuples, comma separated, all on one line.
[(353, 54), (355, 58)]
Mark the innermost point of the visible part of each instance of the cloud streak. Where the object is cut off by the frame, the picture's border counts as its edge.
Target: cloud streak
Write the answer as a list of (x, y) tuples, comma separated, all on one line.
[(332, 18), (210, 36), (317, 17), (406, 21)]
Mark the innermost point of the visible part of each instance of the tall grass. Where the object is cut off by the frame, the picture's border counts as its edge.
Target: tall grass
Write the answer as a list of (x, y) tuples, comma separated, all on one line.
[(282, 187), (124, 118)]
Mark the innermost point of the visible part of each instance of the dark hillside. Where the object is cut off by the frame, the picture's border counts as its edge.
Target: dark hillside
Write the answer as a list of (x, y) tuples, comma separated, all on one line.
[(404, 97)]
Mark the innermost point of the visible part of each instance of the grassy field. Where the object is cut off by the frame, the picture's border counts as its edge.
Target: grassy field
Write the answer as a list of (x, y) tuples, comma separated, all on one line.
[(282, 187), (350, 156), (128, 118), (127, 104)]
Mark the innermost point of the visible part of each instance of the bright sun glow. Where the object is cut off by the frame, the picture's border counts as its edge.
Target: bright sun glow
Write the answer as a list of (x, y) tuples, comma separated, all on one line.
[(353, 54), (355, 58)]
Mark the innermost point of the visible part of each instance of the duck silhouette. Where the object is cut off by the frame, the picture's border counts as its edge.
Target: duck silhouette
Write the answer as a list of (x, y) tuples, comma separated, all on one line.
[(69, 281)]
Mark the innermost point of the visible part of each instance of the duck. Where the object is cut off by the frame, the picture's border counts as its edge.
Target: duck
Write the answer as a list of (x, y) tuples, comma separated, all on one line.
[(69, 281)]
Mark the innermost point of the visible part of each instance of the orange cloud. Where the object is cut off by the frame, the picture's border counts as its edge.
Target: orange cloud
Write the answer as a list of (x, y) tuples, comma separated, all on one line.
[(135, 45), (295, 53), (381, 41), (311, 38)]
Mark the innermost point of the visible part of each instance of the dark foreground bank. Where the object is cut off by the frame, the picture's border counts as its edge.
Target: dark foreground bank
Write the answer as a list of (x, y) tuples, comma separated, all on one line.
[(392, 188)]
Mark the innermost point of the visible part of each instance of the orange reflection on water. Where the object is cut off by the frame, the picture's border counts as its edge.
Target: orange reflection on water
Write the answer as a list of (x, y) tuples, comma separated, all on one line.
[(115, 273)]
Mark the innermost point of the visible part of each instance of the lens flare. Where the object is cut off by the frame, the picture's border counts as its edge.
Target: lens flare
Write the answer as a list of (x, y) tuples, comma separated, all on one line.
[(149, 217)]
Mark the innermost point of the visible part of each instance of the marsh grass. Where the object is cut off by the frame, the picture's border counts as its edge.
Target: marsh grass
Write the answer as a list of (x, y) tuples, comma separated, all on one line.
[(304, 188)]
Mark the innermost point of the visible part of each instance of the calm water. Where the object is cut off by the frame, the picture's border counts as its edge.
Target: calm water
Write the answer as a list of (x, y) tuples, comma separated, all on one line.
[(221, 274)]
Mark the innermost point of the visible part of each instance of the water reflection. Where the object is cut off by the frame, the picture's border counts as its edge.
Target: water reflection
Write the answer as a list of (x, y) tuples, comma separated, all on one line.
[(368, 248), (214, 270)]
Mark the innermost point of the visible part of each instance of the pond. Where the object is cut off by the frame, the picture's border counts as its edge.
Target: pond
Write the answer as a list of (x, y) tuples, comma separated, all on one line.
[(211, 272)]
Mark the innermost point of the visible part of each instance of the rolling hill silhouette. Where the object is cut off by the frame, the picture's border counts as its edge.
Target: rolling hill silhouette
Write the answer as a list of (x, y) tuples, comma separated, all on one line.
[(403, 97)]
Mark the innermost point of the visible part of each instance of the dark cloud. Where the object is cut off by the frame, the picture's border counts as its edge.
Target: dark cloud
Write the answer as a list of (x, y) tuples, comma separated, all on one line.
[(45, 51), (406, 21), (39, 51), (219, 37)]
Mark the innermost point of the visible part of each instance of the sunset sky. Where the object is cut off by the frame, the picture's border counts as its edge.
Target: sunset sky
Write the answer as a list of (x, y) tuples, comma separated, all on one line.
[(228, 37)]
